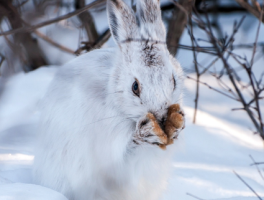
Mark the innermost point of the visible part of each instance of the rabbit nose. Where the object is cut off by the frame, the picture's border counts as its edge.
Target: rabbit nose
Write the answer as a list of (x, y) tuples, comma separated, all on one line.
[(162, 122)]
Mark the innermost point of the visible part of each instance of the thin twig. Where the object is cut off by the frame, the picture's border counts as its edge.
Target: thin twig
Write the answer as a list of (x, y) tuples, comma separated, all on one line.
[(47, 39), (102, 39), (210, 87), (96, 45), (258, 163), (251, 80), (257, 167), (209, 66), (196, 70), (248, 185), (1, 62), (194, 196), (2, 59)]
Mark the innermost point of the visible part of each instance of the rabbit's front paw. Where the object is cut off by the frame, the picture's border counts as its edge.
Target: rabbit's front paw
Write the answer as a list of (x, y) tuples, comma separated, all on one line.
[(174, 123), (148, 131)]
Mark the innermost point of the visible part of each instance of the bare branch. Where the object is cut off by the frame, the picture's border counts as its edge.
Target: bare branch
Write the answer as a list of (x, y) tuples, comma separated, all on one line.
[(47, 39), (194, 196), (251, 9), (258, 163), (2, 60), (33, 27), (256, 5), (251, 79), (34, 54), (212, 88), (177, 23), (88, 46), (196, 70), (102, 39), (230, 74), (87, 21), (221, 9), (256, 39)]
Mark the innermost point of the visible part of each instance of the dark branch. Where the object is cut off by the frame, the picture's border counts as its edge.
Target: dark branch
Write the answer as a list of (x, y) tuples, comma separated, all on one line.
[(253, 10), (33, 27), (87, 21), (47, 39), (212, 9), (34, 55), (177, 23), (258, 163), (88, 46)]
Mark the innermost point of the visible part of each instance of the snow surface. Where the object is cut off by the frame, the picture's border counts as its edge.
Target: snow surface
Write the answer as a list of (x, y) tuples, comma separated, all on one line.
[(14, 191), (203, 165)]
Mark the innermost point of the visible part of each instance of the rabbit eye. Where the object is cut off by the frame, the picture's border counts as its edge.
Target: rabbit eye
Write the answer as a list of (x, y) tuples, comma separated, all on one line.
[(135, 88)]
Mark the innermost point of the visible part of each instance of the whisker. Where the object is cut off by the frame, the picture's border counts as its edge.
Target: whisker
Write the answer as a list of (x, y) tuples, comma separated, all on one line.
[(108, 118), (179, 99), (104, 119), (105, 94), (101, 96), (122, 121)]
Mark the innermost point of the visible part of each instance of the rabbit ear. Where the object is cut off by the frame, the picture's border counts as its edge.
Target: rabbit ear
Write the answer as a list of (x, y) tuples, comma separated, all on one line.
[(149, 19), (122, 20)]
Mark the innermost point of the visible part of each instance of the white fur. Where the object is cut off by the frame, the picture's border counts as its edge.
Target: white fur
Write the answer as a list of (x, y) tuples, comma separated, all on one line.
[(85, 148)]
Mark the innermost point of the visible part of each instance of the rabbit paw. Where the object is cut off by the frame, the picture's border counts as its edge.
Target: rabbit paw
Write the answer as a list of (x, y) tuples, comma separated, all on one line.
[(149, 131), (174, 123)]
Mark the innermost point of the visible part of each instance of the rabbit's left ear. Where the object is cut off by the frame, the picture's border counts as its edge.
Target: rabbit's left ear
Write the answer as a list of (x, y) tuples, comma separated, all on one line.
[(149, 19), (122, 21)]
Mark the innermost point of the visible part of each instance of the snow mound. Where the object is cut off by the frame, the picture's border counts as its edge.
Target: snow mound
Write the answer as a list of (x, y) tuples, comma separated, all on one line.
[(19, 191)]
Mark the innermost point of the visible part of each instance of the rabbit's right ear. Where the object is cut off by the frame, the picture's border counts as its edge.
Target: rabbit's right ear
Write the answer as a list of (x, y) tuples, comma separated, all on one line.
[(150, 21), (122, 21)]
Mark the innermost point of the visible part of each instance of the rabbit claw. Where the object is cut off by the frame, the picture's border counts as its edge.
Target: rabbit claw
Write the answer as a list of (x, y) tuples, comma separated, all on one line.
[(174, 123)]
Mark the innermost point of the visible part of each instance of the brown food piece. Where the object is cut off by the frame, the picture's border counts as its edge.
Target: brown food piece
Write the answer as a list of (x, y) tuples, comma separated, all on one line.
[(158, 131), (174, 121)]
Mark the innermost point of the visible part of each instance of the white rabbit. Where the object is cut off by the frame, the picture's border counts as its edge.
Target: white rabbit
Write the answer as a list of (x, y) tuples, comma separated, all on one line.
[(97, 137)]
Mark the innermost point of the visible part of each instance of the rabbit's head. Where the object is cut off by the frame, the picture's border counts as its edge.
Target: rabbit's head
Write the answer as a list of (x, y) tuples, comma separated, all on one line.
[(146, 78)]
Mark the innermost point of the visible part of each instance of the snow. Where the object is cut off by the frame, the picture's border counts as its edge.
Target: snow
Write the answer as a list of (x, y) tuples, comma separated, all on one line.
[(204, 167), (208, 152), (19, 191)]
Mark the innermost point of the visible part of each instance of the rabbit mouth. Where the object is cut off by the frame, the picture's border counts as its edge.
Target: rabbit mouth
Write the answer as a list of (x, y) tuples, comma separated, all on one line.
[(160, 121), (165, 128)]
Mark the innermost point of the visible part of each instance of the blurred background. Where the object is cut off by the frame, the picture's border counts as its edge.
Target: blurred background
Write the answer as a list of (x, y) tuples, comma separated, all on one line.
[(219, 43)]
